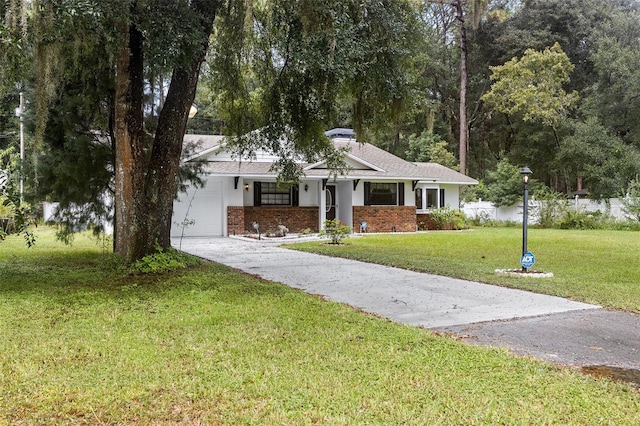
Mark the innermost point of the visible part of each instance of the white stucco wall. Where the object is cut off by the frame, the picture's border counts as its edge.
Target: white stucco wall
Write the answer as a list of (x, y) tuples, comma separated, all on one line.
[(344, 202), (206, 206), (451, 196), (310, 197), (358, 194)]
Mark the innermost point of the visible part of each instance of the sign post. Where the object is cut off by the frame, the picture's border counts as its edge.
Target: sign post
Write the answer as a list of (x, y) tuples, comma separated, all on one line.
[(525, 172)]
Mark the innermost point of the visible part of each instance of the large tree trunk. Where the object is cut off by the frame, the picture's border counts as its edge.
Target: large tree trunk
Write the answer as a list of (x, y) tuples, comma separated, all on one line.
[(130, 153), (164, 165), (165, 156), (146, 186)]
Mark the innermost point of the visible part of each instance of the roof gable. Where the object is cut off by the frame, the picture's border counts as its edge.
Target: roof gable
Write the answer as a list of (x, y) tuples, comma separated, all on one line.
[(352, 162), (201, 146)]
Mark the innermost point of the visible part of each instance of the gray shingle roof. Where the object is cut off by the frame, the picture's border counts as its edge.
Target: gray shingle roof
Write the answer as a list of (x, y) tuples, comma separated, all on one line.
[(200, 145), (385, 165)]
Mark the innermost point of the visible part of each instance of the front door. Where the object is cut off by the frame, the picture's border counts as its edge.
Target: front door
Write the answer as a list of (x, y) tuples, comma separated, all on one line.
[(330, 193)]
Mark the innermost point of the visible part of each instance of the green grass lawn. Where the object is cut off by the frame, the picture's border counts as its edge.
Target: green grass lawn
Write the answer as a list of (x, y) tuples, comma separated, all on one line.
[(601, 267), (84, 343)]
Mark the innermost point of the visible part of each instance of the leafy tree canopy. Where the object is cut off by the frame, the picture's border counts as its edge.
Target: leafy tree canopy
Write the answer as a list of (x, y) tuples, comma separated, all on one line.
[(429, 147), (282, 67), (531, 87)]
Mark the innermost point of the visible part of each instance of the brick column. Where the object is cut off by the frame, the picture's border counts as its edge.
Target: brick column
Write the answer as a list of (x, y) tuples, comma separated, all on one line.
[(235, 220)]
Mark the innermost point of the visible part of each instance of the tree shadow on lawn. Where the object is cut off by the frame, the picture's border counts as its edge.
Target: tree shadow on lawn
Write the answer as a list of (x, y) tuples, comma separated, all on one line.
[(68, 276)]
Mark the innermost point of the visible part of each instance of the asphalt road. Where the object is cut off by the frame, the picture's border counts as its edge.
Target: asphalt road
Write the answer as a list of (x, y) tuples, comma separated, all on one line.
[(579, 338)]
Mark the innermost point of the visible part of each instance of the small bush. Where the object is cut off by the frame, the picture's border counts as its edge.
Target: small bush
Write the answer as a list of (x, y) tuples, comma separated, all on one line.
[(335, 230), (578, 219), (483, 219), (163, 261), (552, 209), (446, 218), (282, 231)]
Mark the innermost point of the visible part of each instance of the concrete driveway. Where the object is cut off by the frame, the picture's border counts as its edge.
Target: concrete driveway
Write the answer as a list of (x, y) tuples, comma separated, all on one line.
[(547, 327), (408, 297)]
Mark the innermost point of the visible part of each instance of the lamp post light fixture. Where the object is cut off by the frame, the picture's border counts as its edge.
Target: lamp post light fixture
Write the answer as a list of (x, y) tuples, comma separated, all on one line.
[(193, 110), (525, 173)]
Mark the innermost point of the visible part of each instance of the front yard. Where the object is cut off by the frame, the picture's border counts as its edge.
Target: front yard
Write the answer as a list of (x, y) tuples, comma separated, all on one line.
[(85, 343)]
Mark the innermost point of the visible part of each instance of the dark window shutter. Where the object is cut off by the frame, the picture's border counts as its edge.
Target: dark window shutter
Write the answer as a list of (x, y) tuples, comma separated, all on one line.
[(401, 193), (295, 195), (367, 193), (441, 197), (257, 194)]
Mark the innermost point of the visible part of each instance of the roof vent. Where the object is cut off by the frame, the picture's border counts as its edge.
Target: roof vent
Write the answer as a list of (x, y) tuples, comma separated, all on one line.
[(340, 133)]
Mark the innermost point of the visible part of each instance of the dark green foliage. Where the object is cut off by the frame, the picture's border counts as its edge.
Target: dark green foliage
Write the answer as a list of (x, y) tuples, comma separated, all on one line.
[(76, 164), (599, 39), (604, 161), (429, 147), (504, 185), (290, 69), (616, 58), (541, 23), (551, 208), (578, 219), (163, 261)]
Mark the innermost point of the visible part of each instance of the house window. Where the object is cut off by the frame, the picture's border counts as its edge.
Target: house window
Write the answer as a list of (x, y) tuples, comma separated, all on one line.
[(383, 194), (270, 194), (434, 198)]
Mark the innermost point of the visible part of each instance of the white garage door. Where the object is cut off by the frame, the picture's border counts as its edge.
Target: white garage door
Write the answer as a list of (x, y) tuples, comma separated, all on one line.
[(204, 207)]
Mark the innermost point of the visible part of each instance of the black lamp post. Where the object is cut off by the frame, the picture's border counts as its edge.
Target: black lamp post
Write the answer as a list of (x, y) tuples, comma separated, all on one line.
[(525, 172)]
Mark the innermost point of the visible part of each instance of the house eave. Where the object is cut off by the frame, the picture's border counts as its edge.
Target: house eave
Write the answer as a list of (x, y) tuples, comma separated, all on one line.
[(447, 182), (347, 177)]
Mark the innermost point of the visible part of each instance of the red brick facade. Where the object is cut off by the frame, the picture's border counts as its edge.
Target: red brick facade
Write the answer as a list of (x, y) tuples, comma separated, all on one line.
[(385, 218), (240, 219), (425, 222), (379, 218), (235, 220)]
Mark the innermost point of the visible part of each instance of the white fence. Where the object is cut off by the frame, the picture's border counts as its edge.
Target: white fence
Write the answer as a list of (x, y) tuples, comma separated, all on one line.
[(486, 210), (49, 211)]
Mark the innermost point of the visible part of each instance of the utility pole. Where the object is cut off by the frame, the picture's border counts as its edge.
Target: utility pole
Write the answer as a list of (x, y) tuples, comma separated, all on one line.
[(20, 115)]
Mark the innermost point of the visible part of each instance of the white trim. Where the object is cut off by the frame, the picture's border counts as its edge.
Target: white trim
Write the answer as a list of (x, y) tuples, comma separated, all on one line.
[(203, 153)]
